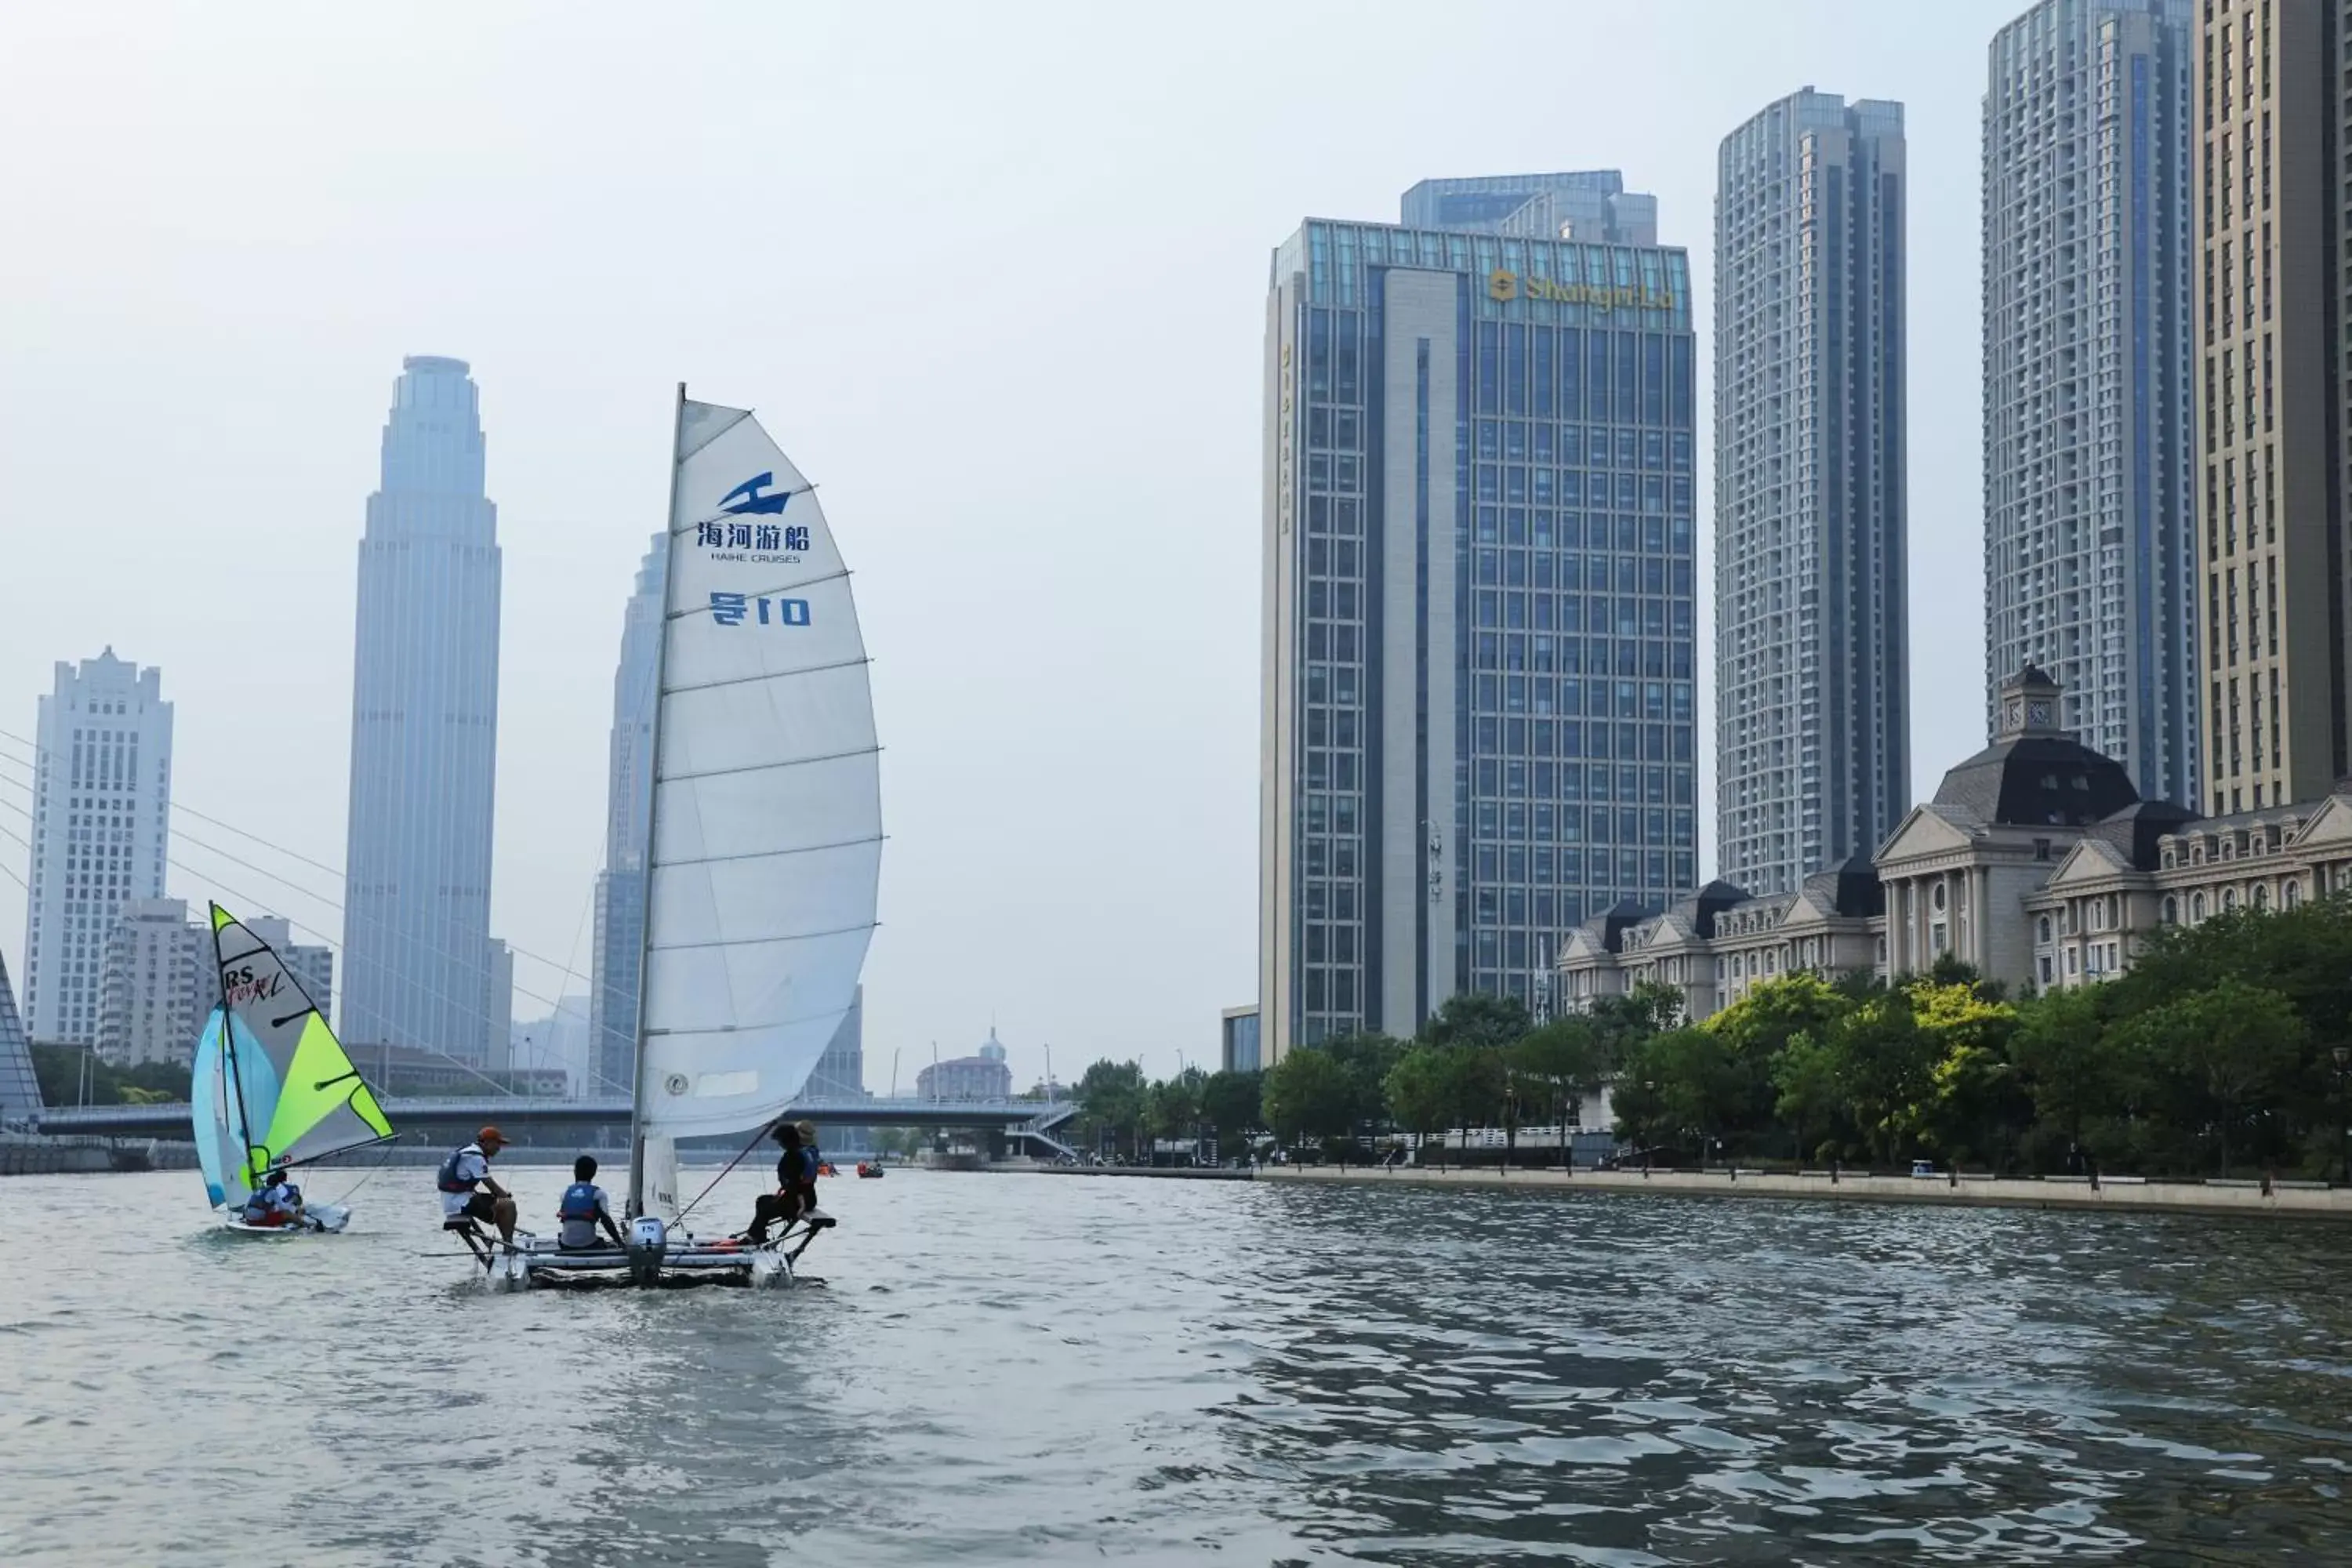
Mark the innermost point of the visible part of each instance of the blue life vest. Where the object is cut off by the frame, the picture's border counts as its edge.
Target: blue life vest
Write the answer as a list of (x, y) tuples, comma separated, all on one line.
[(448, 1179), (579, 1202), (810, 1160), (256, 1209)]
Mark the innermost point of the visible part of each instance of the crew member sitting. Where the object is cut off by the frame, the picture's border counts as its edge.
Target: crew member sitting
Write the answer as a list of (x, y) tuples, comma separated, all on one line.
[(584, 1209), (277, 1202), (469, 1189), (796, 1194)]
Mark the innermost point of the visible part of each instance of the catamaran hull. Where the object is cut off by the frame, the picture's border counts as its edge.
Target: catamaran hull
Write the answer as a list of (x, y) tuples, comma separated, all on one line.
[(318, 1219), (529, 1266)]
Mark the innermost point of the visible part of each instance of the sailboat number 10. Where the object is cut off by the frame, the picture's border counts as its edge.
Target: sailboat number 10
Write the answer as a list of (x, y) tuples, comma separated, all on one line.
[(730, 610)]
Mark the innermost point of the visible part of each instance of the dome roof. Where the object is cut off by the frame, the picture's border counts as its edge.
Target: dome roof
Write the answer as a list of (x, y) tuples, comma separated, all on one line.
[(2039, 780)]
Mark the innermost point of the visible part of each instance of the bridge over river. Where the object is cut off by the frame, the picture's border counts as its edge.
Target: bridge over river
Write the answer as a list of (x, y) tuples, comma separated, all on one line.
[(1021, 1120)]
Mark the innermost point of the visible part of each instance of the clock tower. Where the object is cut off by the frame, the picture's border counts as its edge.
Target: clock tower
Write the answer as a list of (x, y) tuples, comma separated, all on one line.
[(2029, 705)]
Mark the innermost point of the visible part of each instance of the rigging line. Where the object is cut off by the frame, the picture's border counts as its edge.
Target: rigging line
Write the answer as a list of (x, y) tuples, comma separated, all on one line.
[(756, 1139), (472, 969), (335, 944), (38, 749)]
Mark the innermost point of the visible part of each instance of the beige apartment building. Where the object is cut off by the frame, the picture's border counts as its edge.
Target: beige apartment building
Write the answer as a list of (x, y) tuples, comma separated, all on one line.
[(2273, 109)]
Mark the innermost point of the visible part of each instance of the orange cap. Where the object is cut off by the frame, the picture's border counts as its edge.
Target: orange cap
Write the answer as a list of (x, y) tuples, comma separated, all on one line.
[(489, 1135)]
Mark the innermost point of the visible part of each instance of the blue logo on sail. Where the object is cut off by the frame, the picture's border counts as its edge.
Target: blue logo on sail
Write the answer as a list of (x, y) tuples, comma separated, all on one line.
[(748, 497)]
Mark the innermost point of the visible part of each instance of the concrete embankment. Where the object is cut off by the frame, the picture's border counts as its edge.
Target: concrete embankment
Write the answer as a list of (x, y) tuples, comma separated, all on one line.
[(33, 1156), (2118, 1193), (1171, 1172)]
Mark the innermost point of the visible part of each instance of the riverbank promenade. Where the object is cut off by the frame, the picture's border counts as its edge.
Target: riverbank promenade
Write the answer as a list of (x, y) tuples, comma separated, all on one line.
[(2120, 1194)]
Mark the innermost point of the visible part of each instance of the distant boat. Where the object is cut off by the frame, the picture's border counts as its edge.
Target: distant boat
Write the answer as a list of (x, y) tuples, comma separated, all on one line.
[(866, 1170), (765, 844), (271, 1086)]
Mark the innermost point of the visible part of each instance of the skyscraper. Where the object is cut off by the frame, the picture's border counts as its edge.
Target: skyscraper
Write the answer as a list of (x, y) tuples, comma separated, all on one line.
[(101, 829), (425, 714), (1593, 206), (2274, 265), (1812, 717), (1477, 723), (2089, 427), (628, 819)]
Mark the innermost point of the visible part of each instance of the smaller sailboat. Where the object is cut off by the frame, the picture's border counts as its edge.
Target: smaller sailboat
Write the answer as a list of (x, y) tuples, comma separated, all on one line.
[(272, 1088)]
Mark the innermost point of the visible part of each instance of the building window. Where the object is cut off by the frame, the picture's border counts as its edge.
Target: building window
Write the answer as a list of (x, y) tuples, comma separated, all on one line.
[(2291, 894), (1935, 897), (2042, 930), (2229, 900), (2045, 969), (2262, 896), (2196, 907), (2171, 910)]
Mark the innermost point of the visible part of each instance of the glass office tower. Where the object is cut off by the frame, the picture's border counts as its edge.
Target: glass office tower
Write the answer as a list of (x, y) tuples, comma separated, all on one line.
[(424, 718), (1477, 717)]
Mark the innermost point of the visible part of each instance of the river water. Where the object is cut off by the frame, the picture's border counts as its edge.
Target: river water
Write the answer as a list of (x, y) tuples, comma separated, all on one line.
[(1016, 1369)]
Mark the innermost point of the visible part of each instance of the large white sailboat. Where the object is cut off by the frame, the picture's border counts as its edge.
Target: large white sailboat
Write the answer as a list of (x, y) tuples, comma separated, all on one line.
[(765, 843)]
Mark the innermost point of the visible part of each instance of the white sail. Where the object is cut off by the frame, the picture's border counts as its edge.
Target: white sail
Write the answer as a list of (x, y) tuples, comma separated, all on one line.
[(767, 826)]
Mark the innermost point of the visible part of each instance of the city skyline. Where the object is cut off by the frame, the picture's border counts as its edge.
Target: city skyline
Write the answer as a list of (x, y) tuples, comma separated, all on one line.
[(526, 245)]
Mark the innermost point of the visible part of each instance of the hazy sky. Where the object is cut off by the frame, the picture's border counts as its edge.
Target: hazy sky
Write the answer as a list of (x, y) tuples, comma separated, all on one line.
[(994, 276)]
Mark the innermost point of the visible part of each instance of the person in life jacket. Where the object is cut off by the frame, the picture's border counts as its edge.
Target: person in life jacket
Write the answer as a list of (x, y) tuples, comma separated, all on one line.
[(796, 1194), (276, 1201), (585, 1209), (468, 1189)]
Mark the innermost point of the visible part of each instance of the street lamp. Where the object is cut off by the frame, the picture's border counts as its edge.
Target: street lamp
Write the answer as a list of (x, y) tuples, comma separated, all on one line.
[(2343, 1055)]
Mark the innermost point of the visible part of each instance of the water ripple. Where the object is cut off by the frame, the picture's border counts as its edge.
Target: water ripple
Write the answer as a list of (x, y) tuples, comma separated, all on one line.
[(1048, 1370)]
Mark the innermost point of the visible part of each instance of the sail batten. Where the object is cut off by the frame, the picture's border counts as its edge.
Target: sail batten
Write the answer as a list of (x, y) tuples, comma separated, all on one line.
[(321, 1104), (766, 834)]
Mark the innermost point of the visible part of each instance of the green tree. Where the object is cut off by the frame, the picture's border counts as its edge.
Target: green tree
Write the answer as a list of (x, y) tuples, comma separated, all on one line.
[(1309, 1094), (1475, 1083), (1470, 1018), (1973, 1102), (1692, 1084), (1172, 1108), (1810, 1092), (1233, 1103), (1366, 1057), (1113, 1099), (1421, 1091), (1560, 1062), (1884, 1062), (2069, 1068), (2227, 1050)]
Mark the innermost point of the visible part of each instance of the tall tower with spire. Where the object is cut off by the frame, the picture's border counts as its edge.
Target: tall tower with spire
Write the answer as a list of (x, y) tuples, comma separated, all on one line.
[(425, 716)]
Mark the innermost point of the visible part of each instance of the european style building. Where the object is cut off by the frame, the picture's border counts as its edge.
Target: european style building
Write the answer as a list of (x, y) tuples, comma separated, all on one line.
[(2036, 862)]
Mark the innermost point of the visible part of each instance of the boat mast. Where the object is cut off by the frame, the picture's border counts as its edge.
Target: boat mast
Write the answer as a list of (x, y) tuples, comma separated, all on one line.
[(637, 1093), (228, 1043)]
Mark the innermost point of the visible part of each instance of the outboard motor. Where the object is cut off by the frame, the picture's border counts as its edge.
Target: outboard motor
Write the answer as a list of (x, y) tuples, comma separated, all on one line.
[(648, 1241)]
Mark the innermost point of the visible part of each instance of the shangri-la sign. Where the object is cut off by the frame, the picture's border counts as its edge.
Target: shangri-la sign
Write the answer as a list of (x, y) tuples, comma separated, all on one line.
[(1504, 287)]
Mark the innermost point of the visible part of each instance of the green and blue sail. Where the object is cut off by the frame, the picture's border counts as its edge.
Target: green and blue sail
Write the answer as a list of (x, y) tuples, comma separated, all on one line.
[(271, 1081)]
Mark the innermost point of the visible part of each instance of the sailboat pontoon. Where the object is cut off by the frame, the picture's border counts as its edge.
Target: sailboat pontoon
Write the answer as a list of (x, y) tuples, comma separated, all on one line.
[(764, 846), (271, 1086)]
